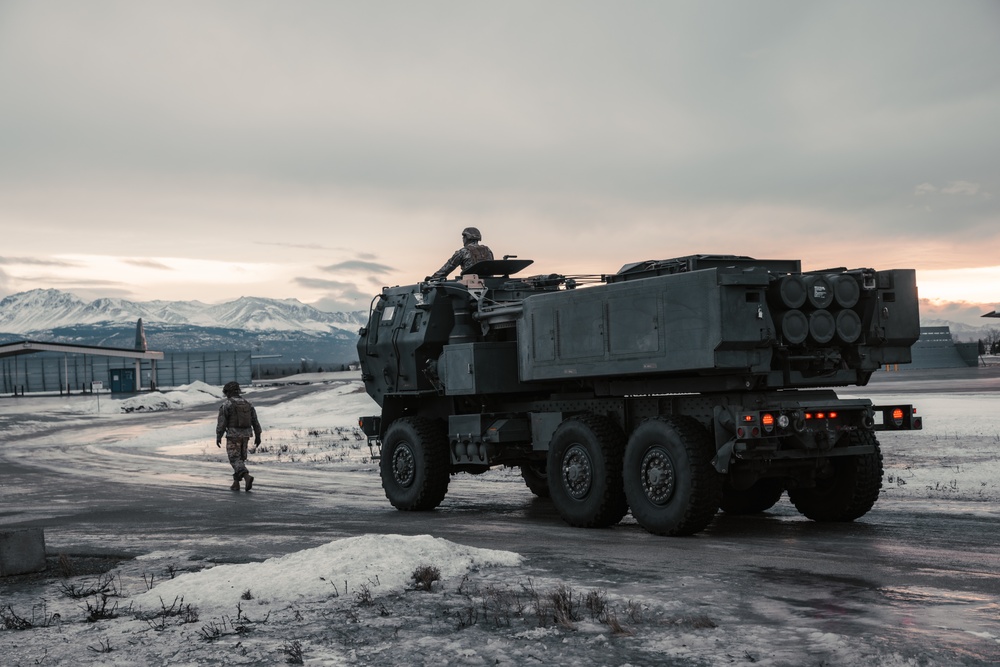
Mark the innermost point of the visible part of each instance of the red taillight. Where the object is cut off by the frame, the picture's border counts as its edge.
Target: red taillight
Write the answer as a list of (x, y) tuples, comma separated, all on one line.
[(748, 418), (820, 415), (833, 415), (767, 420), (897, 414)]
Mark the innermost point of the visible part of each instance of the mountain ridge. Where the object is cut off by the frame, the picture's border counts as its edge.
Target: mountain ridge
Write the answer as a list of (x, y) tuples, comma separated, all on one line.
[(285, 331), (49, 309)]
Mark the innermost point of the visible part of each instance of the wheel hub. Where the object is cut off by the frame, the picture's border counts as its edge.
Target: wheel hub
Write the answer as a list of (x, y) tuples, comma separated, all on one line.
[(577, 472), (403, 465), (657, 475)]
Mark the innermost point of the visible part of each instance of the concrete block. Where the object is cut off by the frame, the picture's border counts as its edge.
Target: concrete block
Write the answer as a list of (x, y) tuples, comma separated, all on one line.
[(22, 550)]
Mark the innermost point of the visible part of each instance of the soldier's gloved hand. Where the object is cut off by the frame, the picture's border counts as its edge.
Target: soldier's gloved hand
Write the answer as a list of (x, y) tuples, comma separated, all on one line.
[(218, 442), (256, 440)]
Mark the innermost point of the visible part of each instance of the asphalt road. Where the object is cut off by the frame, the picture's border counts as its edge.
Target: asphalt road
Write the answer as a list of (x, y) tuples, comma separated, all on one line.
[(912, 574)]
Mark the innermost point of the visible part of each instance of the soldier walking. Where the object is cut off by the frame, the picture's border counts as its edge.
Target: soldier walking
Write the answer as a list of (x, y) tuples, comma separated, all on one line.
[(238, 421)]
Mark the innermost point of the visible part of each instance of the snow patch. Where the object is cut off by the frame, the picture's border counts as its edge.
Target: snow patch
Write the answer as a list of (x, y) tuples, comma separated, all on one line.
[(382, 563)]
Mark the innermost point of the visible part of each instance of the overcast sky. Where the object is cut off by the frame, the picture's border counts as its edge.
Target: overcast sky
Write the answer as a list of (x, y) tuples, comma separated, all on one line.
[(319, 150)]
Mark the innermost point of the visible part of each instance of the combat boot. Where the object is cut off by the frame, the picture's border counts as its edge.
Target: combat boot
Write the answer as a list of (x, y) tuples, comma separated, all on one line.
[(235, 486), (249, 479)]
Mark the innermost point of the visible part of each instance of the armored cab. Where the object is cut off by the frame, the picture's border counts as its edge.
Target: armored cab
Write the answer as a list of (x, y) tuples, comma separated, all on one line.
[(671, 387)]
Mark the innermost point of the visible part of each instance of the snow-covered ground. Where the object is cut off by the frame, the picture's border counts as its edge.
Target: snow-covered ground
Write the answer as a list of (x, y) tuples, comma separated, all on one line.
[(391, 599)]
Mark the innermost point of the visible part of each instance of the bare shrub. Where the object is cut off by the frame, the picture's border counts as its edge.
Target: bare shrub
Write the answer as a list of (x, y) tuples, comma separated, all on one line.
[(211, 632), (103, 646), (700, 622), (99, 610), (565, 611), (634, 611), (158, 619), (425, 576), (502, 605), (611, 620), (293, 653), (11, 621), (467, 616), (596, 602), (105, 585), (363, 596)]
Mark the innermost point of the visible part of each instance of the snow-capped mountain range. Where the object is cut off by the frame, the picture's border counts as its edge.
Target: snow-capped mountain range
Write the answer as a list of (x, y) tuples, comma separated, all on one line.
[(48, 309)]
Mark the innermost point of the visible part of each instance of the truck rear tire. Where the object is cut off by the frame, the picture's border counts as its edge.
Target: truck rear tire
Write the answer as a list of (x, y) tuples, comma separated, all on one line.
[(585, 472), (850, 491), (414, 464), (671, 485), (760, 497), (536, 478)]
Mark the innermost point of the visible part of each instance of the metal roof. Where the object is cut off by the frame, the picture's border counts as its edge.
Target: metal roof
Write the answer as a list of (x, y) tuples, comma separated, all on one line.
[(32, 346)]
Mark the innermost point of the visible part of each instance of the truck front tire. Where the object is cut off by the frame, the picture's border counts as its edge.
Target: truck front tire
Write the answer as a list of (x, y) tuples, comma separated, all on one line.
[(585, 472), (671, 485), (414, 464)]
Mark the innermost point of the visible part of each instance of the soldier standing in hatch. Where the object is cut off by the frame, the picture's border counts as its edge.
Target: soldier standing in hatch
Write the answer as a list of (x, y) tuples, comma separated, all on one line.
[(470, 253), (238, 421)]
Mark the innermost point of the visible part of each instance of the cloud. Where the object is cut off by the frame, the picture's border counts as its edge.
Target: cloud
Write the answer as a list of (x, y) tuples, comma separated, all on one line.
[(341, 290), (69, 283), (304, 246), (961, 188), (966, 188), (358, 265), (148, 264), (339, 296), (335, 305), (586, 135), (964, 312), (36, 261), (319, 283)]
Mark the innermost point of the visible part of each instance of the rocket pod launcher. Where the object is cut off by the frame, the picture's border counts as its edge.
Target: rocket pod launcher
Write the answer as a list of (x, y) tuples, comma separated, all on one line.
[(731, 358)]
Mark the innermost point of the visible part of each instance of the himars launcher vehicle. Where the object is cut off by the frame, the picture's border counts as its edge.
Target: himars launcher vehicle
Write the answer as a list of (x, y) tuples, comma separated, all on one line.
[(671, 389)]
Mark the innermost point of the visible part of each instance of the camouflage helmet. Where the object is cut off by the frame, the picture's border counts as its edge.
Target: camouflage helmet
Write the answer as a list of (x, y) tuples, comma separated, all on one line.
[(471, 234), (232, 389)]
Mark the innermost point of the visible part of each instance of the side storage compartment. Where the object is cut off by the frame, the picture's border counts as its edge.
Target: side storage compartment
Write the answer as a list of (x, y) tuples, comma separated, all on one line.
[(479, 368)]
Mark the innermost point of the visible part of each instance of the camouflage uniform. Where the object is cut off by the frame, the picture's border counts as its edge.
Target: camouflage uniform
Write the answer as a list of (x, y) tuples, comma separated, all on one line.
[(467, 255), (237, 421)]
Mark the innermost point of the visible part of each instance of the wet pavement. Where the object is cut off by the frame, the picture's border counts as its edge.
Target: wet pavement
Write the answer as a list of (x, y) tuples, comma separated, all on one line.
[(922, 578)]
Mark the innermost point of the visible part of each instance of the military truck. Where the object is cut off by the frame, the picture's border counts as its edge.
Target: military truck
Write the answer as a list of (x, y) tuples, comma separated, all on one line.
[(671, 388)]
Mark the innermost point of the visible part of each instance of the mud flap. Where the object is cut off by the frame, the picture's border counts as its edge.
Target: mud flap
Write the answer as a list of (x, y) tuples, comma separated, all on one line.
[(723, 456)]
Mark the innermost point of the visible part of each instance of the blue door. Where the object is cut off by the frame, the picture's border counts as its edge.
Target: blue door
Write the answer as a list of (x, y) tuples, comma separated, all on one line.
[(122, 380)]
